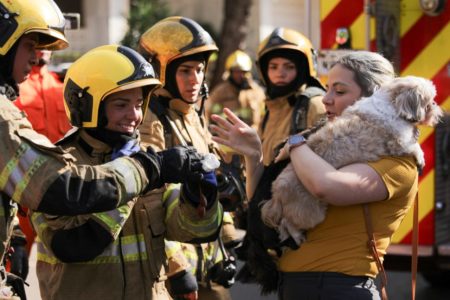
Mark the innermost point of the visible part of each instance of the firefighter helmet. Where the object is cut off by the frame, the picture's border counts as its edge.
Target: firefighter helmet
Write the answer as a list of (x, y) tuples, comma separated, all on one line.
[(99, 73), (21, 17), (240, 60), (285, 38), (173, 38)]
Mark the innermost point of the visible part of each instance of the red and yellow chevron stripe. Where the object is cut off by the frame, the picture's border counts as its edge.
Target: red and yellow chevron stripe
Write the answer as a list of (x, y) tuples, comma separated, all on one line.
[(425, 44), (344, 13), (424, 52)]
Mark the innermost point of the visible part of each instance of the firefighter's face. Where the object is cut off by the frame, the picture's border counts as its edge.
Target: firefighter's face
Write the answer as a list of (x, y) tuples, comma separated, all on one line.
[(238, 75), (189, 78), (342, 91), (281, 71), (25, 57), (124, 110)]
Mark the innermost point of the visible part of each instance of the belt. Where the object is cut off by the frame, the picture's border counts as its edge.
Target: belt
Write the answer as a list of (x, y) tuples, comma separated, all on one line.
[(325, 277)]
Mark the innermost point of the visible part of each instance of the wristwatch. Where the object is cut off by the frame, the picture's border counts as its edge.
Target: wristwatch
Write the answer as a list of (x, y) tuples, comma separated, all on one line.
[(295, 141)]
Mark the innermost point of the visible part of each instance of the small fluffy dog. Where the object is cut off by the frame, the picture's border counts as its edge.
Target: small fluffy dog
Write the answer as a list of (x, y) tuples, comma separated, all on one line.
[(382, 124)]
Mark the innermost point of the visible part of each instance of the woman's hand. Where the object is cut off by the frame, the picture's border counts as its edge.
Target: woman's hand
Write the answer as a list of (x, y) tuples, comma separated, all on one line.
[(283, 154), (236, 134)]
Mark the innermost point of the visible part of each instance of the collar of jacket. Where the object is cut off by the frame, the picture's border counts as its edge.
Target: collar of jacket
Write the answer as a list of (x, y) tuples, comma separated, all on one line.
[(175, 104), (91, 145)]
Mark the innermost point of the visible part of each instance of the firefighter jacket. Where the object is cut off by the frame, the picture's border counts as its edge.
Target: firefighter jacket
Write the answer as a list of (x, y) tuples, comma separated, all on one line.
[(41, 97), (118, 254), (278, 121), (246, 102), (184, 125), (40, 176)]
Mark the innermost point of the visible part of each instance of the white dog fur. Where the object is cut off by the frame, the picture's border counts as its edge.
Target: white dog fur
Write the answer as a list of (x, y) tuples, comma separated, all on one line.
[(382, 124)]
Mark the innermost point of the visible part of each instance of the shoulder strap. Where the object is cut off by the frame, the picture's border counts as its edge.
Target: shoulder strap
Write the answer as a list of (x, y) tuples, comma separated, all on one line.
[(415, 243), (160, 111), (301, 106), (170, 128), (371, 243)]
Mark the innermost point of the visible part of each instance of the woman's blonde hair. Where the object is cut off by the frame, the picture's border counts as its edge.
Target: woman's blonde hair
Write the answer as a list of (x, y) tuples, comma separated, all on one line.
[(371, 70)]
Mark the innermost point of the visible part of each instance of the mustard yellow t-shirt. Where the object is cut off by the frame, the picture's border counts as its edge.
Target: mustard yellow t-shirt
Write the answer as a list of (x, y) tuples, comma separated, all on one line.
[(339, 243)]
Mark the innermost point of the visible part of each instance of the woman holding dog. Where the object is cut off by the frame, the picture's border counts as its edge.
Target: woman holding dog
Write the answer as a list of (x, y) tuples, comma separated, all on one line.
[(334, 262)]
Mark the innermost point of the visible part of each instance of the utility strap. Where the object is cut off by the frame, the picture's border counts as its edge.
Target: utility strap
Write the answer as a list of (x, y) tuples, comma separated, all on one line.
[(371, 243)]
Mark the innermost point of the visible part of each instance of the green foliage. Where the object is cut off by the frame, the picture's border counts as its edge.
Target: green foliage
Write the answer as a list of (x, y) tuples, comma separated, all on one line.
[(143, 14)]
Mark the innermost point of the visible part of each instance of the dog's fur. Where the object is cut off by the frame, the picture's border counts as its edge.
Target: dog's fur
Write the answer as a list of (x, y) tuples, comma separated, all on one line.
[(383, 124)]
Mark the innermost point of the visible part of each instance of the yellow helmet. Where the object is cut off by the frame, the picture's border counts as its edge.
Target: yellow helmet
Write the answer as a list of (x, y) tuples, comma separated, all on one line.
[(173, 38), (285, 38), (240, 60), (99, 73), (19, 17)]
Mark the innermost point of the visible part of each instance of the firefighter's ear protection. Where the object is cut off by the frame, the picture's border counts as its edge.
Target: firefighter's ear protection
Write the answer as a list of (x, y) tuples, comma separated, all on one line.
[(99, 73), (20, 17), (187, 38)]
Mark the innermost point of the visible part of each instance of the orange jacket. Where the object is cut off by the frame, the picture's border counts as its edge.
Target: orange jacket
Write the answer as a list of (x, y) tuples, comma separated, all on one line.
[(41, 97)]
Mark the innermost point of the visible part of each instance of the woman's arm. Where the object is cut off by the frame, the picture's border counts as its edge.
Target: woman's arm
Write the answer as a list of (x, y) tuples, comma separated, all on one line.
[(243, 139), (352, 184)]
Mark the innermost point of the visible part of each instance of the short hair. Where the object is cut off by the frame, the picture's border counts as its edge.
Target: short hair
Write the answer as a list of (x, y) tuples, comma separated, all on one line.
[(370, 69)]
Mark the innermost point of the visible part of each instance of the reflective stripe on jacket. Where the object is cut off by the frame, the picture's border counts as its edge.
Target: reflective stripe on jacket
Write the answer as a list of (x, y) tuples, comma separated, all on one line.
[(133, 265)]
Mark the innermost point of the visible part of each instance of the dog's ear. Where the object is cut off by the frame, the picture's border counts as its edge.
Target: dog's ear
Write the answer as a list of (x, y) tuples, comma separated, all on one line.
[(412, 96)]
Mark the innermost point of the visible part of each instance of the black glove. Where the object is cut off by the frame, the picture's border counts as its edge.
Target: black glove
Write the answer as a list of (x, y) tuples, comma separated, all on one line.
[(207, 187), (181, 164), (178, 164), (183, 282), (19, 255)]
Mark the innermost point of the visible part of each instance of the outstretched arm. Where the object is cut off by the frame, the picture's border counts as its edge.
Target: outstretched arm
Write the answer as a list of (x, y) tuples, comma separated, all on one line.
[(243, 139)]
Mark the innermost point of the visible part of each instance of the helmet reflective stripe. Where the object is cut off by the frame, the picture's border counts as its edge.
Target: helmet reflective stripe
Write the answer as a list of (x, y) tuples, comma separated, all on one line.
[(132, 248), (115, 218), (16, 175), (19, 17)]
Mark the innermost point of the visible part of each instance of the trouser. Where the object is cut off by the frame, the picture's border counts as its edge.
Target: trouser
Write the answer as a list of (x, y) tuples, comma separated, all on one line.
[(325, 286)]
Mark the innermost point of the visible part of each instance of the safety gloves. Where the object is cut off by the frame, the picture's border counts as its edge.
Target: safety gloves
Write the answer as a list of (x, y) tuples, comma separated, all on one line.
[(179, 164)]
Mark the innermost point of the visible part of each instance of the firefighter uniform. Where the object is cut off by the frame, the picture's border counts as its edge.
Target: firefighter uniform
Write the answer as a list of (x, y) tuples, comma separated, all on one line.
[(296, 106), (278, 126), (133, 265), (33, 172), (244, 98), (117, 254), (173, 121)]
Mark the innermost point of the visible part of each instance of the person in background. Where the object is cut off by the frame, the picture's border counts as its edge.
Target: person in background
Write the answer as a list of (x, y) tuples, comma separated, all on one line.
[(41, 98), (287, 66), (176, 117), (334, 262), (42, 177), (75, 253), (239, 92)]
